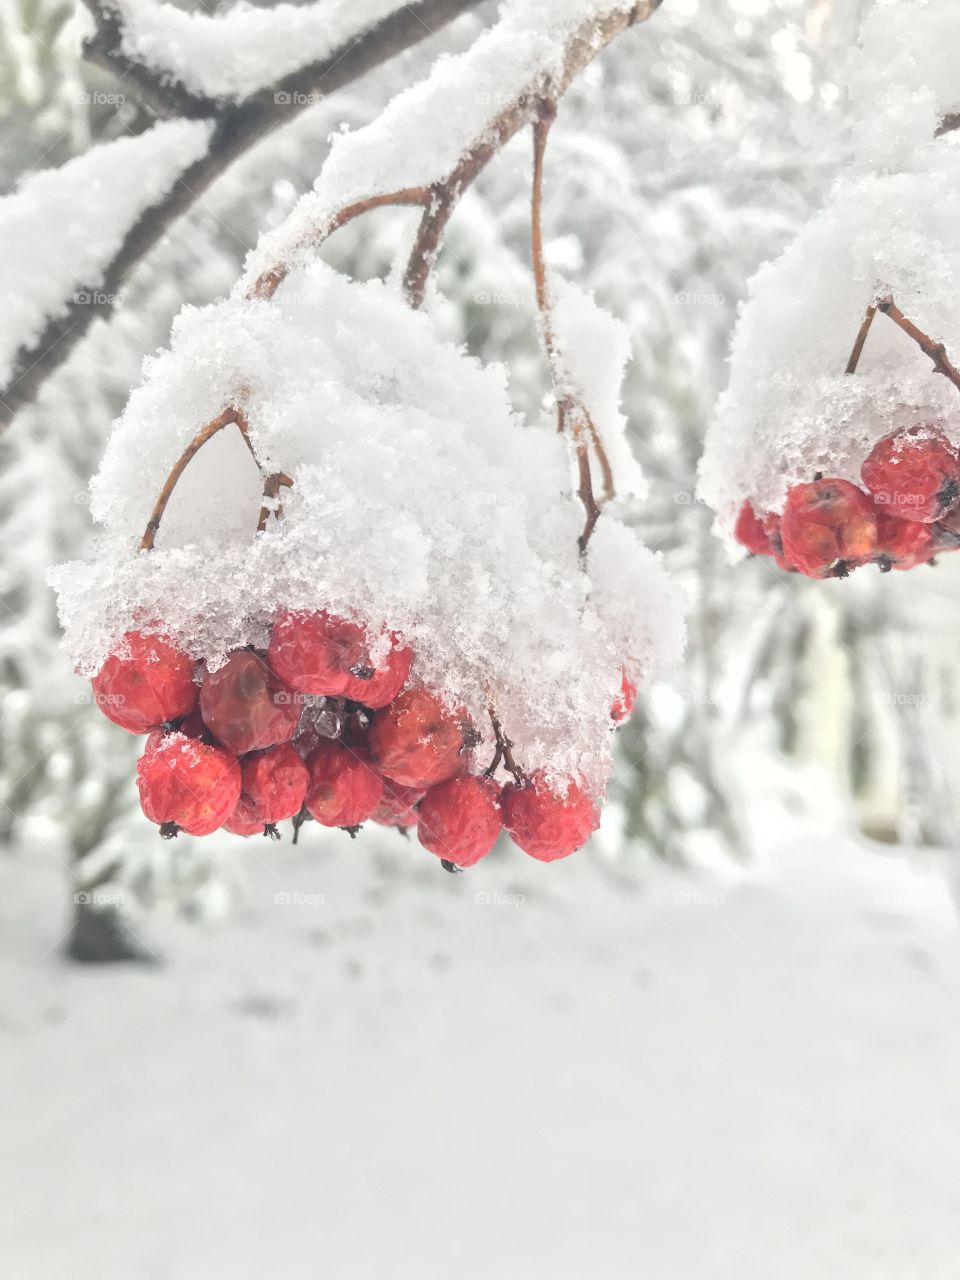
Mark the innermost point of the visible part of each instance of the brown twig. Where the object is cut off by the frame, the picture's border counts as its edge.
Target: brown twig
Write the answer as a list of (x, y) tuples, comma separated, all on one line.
[(504, 750), (271, 491), (862, 332), (934, 351), (227, 418)]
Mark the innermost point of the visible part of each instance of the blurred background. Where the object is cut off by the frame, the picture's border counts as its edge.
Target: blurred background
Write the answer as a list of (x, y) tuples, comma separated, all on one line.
[(811, 723)]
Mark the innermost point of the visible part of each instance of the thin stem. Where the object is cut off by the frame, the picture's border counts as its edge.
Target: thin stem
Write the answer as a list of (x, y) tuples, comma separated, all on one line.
[(935, 351), (423, 255), (862, 332), (270, 280), (504, 750), (271, 491), (227, 418), (546, 115), (586, 495)]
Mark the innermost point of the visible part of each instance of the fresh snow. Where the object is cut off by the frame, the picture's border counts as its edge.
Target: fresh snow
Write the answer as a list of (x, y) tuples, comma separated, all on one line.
[(62, 227), (232, 54), (602, 1068)]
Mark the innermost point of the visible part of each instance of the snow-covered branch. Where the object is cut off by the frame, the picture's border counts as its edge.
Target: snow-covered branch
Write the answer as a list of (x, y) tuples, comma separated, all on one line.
[(238, 123)]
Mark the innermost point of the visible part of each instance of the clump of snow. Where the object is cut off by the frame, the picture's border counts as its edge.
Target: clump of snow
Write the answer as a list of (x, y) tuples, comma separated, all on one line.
[(425, 131), (420, 501), (50, 256), (233, 54)]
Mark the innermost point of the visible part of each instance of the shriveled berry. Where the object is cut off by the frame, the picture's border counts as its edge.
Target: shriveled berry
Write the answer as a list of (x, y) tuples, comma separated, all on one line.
[(274, 786), (547, 819), (771, 527), (914, 474), (460, 819), (903, 544), (417, 740), (624, 702), (750, 533), (186, 785), (317, 652), (246, 706), (344, 787), (828, 527), (146, 683), (398, 808), (376, 686)]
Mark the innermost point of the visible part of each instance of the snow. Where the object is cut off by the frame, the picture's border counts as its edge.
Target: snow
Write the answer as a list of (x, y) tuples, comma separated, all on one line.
[(420, 501), (888, 228), (425, 130), (234, 53), (617, 1070), (62, 227)]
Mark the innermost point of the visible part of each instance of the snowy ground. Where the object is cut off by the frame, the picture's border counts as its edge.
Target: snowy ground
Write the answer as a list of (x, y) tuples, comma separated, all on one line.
[(584, 1074)]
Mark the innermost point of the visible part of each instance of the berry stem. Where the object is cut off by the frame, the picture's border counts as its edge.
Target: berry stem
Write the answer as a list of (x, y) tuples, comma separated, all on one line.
[(862, 332), (570, 412), (504, 750), (935, 351)]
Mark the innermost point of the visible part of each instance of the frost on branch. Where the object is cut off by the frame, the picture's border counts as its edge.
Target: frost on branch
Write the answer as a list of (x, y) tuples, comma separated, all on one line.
[(419, 500), (231, 55), (789, 409), (50, 255)]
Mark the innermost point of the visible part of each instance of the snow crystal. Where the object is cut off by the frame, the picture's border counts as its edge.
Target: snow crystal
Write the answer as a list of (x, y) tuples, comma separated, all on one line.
[(789, 410), (50, 256), (233, 54)]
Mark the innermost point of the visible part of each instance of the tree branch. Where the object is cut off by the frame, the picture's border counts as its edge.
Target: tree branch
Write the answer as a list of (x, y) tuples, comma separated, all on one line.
[(238, 128), (934, 351)]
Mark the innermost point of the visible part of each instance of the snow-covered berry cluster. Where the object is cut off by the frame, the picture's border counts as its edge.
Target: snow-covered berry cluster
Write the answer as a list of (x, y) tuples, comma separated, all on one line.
[(326, 724), (907, 511)]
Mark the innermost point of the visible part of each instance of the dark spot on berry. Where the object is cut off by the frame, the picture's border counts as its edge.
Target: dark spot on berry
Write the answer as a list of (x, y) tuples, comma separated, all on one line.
[(450, 866), (169, 830)]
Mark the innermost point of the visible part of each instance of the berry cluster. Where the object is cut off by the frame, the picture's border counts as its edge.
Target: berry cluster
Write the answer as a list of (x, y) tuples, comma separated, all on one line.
[(907, 512), (328, 725)]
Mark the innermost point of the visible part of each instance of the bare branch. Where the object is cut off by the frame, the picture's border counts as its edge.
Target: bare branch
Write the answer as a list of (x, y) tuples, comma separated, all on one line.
[(238, 128), (934, 351)]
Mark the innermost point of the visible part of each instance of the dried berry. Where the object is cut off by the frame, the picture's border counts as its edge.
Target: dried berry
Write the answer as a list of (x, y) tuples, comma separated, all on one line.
[(828, 527), (460, 819), (186, 785), (344, 787), (914, 474), (547, 819), (417, 740), (146, 683), (246, 707)]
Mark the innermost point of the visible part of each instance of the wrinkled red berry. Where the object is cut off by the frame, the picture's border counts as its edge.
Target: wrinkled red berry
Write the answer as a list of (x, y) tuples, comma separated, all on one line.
[(914, 474), (828, 527), (771, 527), (246, 707), (750, 533), (545, 820), (317, 652), (624, 703), (146, 683), (376, 686), (417, 740), (186, 785), (398, 808), (903, 544), (274, 787), (460, 819), (344, 787)]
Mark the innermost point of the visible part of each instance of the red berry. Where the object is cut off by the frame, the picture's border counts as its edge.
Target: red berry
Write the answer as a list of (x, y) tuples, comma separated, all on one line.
[(344, 787), (914, 474), (828, 527), (903, 544), (750, 533), (317, 652), (274, 787), (460, 819), (246, 707), (771, 527), (398, 808), (244, 822), (147, 683), (187, 786), (546, 821), (624, 702), (417, 740), (376, 686)]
